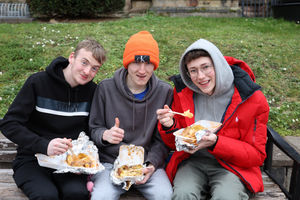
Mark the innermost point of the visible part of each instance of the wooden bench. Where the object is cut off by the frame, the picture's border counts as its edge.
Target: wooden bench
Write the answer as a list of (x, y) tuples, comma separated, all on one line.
[(274, 189), (8, 188), (292, 189)]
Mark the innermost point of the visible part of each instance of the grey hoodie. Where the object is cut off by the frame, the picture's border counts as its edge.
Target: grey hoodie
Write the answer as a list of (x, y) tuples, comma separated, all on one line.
[(137, 117), (210, 107)]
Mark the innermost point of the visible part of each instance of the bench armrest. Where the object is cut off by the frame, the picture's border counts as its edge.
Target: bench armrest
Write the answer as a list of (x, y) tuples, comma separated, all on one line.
[(293, 193)]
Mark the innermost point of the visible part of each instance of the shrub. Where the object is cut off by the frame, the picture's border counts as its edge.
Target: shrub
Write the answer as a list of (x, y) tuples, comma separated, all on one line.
[(72, 8)]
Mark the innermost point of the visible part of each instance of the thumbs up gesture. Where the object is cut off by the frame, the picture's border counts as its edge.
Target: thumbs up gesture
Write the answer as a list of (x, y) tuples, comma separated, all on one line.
[(117, 122), (115, 134)]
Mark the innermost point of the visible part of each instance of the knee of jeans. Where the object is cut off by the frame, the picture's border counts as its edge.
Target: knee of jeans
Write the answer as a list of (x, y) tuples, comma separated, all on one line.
[(225, 195), (179, 194), (165, 195), (97, 194)]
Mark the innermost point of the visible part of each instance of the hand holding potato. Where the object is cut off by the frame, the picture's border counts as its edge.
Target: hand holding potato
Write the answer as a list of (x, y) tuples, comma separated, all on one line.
[(58, 146)]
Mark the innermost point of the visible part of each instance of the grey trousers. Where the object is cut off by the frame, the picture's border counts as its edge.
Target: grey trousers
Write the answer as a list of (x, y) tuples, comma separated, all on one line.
[(158, 187), (204, 178)]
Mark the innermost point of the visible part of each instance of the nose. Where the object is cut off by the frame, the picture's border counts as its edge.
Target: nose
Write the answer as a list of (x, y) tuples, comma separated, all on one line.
[(142, 68), (200, 74), (87, 69)]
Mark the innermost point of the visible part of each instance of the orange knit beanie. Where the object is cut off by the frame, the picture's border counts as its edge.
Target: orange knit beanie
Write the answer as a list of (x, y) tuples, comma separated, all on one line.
[(141, 43)]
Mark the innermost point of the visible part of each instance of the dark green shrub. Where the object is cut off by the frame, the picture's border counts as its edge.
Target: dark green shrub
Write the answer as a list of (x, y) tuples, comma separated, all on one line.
[(72, 8)]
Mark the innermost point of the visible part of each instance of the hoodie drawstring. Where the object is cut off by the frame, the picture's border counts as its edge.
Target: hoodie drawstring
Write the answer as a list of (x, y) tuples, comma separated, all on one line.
[(145, 121), (69, 97), (76, 98), (133, 111)]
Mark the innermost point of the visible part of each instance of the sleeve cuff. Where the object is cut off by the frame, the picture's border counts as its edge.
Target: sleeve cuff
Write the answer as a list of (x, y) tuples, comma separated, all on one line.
[(168, 128), (211, 148)]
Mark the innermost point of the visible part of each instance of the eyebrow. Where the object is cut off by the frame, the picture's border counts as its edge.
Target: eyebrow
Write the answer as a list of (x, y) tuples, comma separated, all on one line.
[(203, 64), (85, 59)]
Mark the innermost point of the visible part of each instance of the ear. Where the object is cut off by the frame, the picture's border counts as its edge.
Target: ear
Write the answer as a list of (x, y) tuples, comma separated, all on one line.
[(71, 57)]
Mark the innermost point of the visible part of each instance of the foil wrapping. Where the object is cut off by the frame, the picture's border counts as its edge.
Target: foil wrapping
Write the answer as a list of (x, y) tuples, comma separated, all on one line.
[(81, 145), (129, 155), (184, 143)]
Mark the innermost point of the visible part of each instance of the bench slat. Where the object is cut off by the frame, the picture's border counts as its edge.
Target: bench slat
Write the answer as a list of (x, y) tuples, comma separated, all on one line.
[(6, 144), (8, 189)]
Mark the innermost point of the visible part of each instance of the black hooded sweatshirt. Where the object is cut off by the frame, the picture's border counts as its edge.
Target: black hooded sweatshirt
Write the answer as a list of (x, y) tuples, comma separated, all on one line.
[(45, 108)]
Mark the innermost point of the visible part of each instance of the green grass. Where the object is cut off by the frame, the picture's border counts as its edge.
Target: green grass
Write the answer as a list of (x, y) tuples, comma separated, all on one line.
[(270, 47)]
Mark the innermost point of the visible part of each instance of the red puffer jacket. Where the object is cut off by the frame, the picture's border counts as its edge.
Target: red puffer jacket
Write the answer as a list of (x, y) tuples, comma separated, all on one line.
[(241, 140)]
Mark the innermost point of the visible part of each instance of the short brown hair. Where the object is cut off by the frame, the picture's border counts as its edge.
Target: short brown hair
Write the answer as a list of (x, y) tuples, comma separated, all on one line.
[(194, 54), (93, 46)]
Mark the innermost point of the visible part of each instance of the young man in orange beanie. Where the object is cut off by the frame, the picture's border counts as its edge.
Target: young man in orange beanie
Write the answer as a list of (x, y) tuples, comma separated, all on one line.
[(124, 112)]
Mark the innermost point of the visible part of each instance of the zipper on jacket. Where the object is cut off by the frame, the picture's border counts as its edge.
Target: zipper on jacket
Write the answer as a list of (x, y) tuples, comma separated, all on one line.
[(254, 130), (223, 126), (234, 111)]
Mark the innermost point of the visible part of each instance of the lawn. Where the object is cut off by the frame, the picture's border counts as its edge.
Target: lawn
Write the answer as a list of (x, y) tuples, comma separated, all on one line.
[(270, 47)]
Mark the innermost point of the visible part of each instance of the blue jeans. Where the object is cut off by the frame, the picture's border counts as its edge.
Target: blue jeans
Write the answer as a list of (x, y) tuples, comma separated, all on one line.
[(158, 186)]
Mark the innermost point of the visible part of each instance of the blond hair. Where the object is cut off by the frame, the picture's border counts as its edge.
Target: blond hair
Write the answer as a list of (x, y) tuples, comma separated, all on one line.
[(93, 46)]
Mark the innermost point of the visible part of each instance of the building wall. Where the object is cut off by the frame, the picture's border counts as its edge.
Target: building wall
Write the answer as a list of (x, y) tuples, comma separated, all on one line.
[(195, 3), (12, 1)]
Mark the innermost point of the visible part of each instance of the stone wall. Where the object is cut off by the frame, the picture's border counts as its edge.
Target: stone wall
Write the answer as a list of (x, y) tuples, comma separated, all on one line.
[(12, 1), (181, 7), (195, 3)]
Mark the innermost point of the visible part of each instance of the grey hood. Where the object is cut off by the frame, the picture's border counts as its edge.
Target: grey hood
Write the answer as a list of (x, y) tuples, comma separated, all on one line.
[(210, 107), (224, 82)]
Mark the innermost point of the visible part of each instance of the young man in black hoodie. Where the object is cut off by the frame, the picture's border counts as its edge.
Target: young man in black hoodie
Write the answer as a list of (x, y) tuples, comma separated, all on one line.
[(50, 110)]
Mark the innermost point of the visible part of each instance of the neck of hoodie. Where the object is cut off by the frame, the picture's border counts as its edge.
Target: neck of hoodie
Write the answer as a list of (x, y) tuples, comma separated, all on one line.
[(120, 81)]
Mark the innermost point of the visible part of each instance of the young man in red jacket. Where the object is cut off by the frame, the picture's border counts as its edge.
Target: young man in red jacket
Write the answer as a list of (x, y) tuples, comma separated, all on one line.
[(225, 164)]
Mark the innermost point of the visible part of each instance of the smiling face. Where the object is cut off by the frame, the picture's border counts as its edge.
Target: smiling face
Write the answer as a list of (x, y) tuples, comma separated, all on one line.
[(138, 76), (202, 73), (82, 68)]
